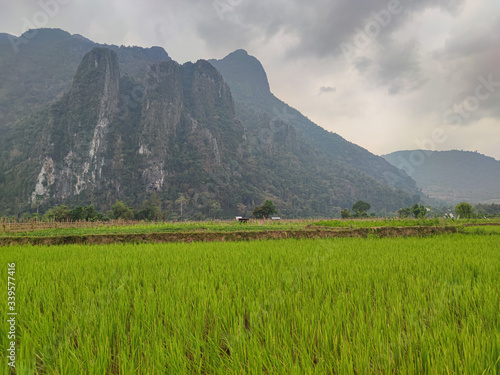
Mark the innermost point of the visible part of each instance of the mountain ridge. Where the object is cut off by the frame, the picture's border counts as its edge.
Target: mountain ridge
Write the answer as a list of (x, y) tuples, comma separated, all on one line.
[(41, 67), (240, 70)]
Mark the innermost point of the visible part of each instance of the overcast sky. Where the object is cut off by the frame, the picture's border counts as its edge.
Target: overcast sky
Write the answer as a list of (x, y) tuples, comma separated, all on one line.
[(387, 75)]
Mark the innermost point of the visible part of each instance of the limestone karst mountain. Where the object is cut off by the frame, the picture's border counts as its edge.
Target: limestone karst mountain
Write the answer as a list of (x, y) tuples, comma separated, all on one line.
[(132, 124)]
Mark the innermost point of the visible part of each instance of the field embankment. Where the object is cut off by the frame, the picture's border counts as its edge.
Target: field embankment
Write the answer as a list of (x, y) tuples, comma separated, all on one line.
[(55, 233), (225, 236)]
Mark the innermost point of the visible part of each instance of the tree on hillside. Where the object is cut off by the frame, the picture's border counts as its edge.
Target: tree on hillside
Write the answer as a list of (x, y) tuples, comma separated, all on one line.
[(181, 201), (265, 211), (214, 208), (488, 209), (465, 210), (242, 209)]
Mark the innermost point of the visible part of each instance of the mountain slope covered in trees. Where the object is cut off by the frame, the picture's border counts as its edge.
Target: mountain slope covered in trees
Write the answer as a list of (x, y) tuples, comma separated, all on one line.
[(132, 124), (253, 97)]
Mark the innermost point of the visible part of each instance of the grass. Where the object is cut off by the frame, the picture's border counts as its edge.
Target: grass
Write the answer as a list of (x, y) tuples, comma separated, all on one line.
[(396, 222), (369, 223), (344, 306), (483, 230)]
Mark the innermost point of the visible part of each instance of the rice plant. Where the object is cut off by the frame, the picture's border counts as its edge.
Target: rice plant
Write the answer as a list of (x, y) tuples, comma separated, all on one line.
[(342, 306)]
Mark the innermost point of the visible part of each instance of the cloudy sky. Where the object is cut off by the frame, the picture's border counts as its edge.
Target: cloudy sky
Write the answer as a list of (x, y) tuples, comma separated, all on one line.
[(387, 75)]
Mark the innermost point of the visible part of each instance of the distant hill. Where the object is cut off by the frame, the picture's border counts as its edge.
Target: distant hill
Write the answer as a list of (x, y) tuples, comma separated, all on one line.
[(452, 176)]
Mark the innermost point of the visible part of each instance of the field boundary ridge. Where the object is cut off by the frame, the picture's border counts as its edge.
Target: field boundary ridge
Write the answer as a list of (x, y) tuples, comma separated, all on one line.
[(418, 231)]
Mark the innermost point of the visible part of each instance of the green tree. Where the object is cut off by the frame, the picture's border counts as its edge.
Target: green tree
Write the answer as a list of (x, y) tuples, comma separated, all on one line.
[(242, 209), (405, 212), (265, 211), (149, 211), (361, 206), (419, 211), (215, 209), (345, 214), (58, 213), (77, 213), (121, 211), (258, 213), (91, 214), (465, 210)]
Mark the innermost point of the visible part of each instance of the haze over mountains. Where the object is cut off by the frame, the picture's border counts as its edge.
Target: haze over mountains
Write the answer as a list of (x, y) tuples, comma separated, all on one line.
[(86, 123), (452, 176)]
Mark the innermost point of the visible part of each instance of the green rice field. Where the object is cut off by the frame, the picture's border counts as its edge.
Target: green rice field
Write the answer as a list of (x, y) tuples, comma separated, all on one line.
[(323, 306)]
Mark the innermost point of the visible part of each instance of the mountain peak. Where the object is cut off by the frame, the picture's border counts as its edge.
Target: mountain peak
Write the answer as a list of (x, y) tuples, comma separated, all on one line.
[(238, 52), (97, 54), (98, 74), (245, 74), (46, 35)]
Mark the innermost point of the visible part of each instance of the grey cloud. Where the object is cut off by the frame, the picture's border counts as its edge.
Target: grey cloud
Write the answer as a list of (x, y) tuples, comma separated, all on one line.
[(475, 53), (477, 39), (363, 64), (327, 90), (319, 26), (320, 29), (395, 66), (399, 60), (399, 68)]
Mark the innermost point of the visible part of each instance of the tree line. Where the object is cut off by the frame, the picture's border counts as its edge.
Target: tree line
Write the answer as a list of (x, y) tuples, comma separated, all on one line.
[(150, 211), (419, 211)]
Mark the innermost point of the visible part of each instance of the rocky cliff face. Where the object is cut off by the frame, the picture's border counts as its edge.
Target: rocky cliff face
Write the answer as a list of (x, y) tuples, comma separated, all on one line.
[(187, 109), (161, 117), (77, 130), (185, 128)]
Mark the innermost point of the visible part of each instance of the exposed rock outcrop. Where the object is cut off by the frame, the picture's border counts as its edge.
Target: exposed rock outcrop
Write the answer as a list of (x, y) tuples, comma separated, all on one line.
[(79, 126)]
